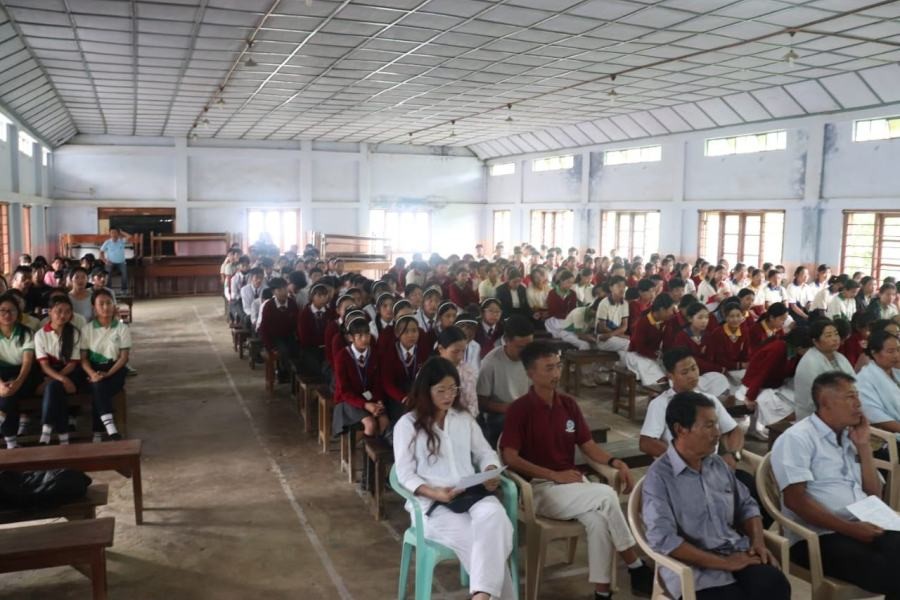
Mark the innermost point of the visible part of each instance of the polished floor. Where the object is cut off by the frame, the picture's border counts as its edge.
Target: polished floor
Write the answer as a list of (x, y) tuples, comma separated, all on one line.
[(239, 502)]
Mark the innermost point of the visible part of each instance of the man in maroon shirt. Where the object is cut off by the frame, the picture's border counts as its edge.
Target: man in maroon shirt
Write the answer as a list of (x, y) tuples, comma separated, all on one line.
[(278, 327), (540, 433)]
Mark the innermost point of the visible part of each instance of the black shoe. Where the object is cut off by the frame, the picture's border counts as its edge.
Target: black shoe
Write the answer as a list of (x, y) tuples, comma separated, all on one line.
[(641, 581), (115, 437)]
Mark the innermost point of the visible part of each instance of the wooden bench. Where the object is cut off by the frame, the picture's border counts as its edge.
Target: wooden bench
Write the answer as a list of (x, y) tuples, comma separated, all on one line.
[(83, 508), (123, 457), (626, 390), (81, 544), (239, 336), (349, 439), (304, 390), (599, 433), (32, 405), (125, 306), (326, 407), (379, 458), (271, 362), (578, 359)]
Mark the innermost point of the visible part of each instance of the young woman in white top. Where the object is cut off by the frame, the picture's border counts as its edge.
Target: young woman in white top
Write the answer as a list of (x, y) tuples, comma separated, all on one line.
[(16, 367), (797, 295), (57, 346), (714, 288), (843, 304), (435, 445), (452, 344), (105, 347), (537, 293)]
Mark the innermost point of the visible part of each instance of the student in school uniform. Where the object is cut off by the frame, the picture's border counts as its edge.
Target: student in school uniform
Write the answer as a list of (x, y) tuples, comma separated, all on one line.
[(867, 293), (823, 296), (646, 337), (611, 321), (854, 347), (251, 291), (57, 349), (695, 338), (386, 337), (487, 288), (537, 293), (18, 375), (278, 328), (452, 345), (770, 324), (646, 292), (843, 304), (311, 324), (561, 300), (460, 291), (446, 317), (470, 327), (428, 312), (714, 288), (584, 287), (773, 292), (490, 331), (99, 279), (415, 295), (384, 314), (357, 397), (77, 320), (398, 366), (884, 305), (677, 321), (334, 324), (105, 348), (797, 295), (727, 345)]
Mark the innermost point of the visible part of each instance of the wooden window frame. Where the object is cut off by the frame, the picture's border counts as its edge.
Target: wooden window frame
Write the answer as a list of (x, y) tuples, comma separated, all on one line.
[(631, 251), (26, 229), (494, 226), (5, 259), (742, 221), (877, 238), (554, 214)]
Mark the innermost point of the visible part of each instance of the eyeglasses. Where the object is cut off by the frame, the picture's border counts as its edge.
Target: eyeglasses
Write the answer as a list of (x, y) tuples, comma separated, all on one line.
[(7, 311), (448, 391)]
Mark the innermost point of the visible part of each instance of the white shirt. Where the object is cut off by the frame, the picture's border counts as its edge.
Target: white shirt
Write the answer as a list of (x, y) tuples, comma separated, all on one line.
[(48, 346), (840, 307), (473, 355), (537, 299), (813, 364), (799, 294), (821, 299), (611, 314), (462, 444), (11, 352), (486, 289), (423, 320), (655, 420), (248, 295), (773, 295), (103, 344)]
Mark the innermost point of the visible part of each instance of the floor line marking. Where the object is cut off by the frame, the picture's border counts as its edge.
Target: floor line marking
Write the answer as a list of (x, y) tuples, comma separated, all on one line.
[(314, 540)]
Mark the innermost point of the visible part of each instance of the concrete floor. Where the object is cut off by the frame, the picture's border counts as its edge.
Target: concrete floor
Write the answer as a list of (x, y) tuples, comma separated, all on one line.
[(239, 503)]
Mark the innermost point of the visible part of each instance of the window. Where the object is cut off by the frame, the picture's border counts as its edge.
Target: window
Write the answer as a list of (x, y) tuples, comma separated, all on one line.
[(25, 143), (629, 156), (4, 121), (752, 238), (26, 228), (553, 163), (503, 169), (502, 227), (745, 144), (872, 244), (45, 156), (551, 228), (876, 129), (4, 237), (408, 231), (630, 233), (281, 227)]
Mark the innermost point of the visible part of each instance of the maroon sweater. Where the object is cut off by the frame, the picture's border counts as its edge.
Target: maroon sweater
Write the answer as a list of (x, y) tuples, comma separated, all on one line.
[(275, 323)]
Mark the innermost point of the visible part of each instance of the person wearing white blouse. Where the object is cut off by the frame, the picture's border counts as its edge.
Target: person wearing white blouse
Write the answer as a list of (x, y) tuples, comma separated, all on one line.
[(436, 444)]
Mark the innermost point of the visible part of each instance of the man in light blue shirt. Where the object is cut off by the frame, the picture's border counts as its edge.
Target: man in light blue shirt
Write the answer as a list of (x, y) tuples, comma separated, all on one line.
[(695, 510), (823, 464), (113, 252)]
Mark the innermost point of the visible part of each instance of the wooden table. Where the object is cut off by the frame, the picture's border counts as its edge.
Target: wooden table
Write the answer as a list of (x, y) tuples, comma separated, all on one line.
[(123, 457), (75, 543)]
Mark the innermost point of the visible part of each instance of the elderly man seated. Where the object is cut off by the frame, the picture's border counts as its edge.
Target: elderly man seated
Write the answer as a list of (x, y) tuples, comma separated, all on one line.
[(823, 464), (696, 511)]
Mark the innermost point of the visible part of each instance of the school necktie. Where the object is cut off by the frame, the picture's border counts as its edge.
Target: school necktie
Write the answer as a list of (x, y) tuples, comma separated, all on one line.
[(362, 361), (490, 332), (430, 324)]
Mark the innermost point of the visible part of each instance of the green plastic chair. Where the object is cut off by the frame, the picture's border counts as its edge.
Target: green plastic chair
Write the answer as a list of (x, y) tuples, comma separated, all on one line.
[(430, 553)]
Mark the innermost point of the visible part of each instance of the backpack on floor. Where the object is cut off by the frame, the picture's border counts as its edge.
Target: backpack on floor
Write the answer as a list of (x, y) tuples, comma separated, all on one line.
[(42, 489)]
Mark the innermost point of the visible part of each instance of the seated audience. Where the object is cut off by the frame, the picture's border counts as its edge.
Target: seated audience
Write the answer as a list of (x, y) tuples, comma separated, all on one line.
[(311, 324), (502, 378), (885, 305), (727, 345), (767, 387), (436, 444), (821, 358), (451, 345), (278, 328), (843, 304), (490, 331), (612, 318), (542, 429), (854, 347), (646, 338), (18, 372), (770, 324), (105, 348), (879, 382), (399, 364), (822, 465), (357, 398), (695, 338), (512, 295), (697, 511)]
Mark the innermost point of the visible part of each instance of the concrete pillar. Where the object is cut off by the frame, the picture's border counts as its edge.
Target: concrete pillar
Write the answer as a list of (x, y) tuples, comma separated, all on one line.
[(182, 219)]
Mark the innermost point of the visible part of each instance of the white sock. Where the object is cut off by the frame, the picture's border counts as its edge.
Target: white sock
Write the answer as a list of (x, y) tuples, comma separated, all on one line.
[(64, 439), (109, 423), (11, 442), (46, 432), (98, 437), (636, 564)]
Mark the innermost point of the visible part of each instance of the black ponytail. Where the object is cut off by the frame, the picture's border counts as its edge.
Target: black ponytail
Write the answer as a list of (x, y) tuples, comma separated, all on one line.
[(70, 336)]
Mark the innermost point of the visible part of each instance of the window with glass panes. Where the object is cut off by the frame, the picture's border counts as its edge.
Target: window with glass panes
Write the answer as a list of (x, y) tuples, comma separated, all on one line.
[(630, 233), (872, 243), (408, 231), (502, 227), (752, 238), (282, 227), (551, 228)]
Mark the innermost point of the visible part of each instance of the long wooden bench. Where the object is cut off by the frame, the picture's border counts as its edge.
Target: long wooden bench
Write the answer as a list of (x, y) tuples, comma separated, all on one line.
[(626, 389), (326, 408), (629, 452), (379, 458), (83, 508), (579, 358), (123, 457), (81, 544), (32, 405), (305, 390)]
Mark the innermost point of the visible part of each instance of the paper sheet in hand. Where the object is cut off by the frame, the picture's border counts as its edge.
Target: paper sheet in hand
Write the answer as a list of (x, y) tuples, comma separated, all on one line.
[(478, 478), (873, 510)]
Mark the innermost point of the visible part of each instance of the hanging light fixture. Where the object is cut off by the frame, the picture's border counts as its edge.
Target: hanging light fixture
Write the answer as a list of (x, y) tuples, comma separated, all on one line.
[(612, 93), (453, 128), (791, 56), (509, 118), (250, 62)]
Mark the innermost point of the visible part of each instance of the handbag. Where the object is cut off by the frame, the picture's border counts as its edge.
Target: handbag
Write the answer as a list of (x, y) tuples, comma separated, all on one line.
[(464, 501)]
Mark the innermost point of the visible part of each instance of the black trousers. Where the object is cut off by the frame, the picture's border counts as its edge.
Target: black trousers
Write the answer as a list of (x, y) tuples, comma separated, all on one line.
[(311, 360), (873, 567), (288, 354), (748, 480), (756, 582), (9, 405), (55, 405), (103, 392)]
